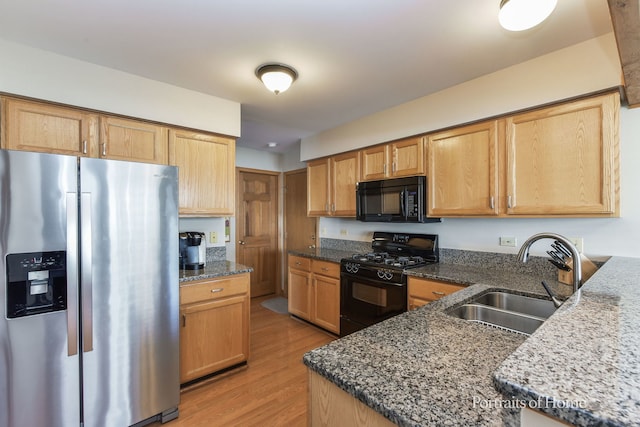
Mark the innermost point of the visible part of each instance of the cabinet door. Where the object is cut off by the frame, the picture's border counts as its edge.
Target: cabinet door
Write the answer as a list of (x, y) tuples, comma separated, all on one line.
[(212, 336), (318, 187), (33, 126), (300, 293), (326, 310), (345, 174), (407, 157), (375, 162), (133, 140), (424, 291), (561, 160), (463, 173), (206, 172)]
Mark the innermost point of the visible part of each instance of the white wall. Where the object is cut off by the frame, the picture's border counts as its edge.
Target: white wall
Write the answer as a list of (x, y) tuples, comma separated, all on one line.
[(44, 75), (586, 67), (580, 69), (291, 159)]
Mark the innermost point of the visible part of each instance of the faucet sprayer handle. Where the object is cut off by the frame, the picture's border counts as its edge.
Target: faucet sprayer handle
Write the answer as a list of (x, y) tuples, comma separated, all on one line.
[(556, 301)]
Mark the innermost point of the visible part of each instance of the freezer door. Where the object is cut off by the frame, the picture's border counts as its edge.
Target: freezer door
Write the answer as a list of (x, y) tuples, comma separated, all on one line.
[(130, 291), (39, 362)]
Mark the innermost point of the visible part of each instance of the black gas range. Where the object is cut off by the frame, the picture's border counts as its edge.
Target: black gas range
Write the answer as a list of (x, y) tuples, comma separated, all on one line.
[(373, 285)]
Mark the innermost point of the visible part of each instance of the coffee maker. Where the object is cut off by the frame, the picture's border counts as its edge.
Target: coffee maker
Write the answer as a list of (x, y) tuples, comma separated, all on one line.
[(193, 250)]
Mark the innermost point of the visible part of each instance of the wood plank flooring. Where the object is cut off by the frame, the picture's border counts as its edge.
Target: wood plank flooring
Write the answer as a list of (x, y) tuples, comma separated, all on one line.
[(271, 391)]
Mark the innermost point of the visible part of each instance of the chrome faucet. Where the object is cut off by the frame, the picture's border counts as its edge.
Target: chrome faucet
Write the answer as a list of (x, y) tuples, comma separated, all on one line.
[(523, 254)]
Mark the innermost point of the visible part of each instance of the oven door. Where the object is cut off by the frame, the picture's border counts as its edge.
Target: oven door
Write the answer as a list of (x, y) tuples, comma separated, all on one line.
[(365, 301)]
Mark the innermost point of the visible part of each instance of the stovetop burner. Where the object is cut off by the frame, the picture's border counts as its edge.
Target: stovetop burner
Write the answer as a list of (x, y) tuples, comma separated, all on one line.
[(389, 260)]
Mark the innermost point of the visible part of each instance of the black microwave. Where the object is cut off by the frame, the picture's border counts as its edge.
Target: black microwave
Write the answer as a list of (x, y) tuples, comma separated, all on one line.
[(393, 200)]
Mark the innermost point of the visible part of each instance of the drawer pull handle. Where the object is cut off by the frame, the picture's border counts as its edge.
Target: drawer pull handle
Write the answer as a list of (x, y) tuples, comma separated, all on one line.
[(298, 263), (216, 290), (84, 146), (438, 293), (184, 320), (324, 269)]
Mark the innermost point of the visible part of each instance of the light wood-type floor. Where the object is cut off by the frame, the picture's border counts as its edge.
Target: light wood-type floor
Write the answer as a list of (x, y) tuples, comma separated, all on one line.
[(271, 391)]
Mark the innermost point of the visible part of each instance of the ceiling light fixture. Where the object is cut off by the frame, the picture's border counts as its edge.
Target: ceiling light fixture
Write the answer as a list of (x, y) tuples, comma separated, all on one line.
[(520, 15), (272, 144), (276, 77)]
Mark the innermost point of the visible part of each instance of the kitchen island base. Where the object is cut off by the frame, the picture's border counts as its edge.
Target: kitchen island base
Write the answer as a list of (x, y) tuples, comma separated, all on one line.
[(331, 406)]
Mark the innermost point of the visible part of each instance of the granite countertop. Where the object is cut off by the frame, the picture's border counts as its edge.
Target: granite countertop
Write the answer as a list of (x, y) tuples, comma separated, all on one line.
[(213, 269), (583, 363), (428, 368), (333, 255)]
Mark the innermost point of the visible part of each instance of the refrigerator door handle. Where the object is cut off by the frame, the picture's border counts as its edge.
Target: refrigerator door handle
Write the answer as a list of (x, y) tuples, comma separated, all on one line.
[(85, 271), (72, 274)]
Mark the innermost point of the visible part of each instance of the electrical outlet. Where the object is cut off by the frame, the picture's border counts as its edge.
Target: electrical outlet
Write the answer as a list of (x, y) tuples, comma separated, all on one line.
[(213, 237), (507, 241), (578, 242)]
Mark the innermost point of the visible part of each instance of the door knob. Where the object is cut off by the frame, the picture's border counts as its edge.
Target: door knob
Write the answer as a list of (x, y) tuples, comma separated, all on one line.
[(241, 242)]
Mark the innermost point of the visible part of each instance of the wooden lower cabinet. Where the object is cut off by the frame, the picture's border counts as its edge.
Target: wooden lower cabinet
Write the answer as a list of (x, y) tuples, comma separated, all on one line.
[(331, 406), (214, 328), (314, 291), (424, 291)]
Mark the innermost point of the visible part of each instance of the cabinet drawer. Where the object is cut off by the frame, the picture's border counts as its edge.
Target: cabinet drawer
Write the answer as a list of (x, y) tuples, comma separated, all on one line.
[(431, 290), (203, 290), (326, 268), (299, 263)]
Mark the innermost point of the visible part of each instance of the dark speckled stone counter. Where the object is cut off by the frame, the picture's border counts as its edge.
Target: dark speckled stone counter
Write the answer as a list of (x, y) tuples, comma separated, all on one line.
[(213, 269), (332, 255), (422, 367), (428, 368), (586, 357)]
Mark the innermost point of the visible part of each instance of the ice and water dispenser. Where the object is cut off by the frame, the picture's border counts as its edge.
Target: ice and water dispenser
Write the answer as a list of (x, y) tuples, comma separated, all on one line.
[(36, 283)]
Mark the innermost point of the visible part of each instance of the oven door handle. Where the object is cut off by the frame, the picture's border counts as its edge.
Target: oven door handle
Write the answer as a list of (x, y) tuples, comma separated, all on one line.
[(368, 281)]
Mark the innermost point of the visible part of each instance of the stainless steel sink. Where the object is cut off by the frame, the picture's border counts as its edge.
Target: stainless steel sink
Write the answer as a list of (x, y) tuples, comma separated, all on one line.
[(507, 311), (518, 303)]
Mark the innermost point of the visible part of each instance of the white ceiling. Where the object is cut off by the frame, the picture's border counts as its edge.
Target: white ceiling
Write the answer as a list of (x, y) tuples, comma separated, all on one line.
[(354, 57)]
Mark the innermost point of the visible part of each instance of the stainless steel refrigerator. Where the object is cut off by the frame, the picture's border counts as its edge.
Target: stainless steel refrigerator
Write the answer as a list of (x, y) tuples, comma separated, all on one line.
[(89, 334)]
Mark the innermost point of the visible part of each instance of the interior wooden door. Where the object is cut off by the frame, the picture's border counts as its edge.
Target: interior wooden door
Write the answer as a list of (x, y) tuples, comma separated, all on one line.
[(257, 228), (299, 229)]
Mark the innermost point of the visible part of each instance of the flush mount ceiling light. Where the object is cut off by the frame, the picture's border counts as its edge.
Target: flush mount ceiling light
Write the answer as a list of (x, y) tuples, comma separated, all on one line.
[(276, 77), (520, 15)]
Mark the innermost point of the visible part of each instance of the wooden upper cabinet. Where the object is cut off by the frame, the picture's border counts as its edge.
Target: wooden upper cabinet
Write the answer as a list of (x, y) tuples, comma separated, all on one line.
[(563, 160), (206, 172), (318, 187), (407, 157), (42, 127), (132, 140), (331, 185), (463, 172), (345, 174), (375, 162), (395, 159)]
